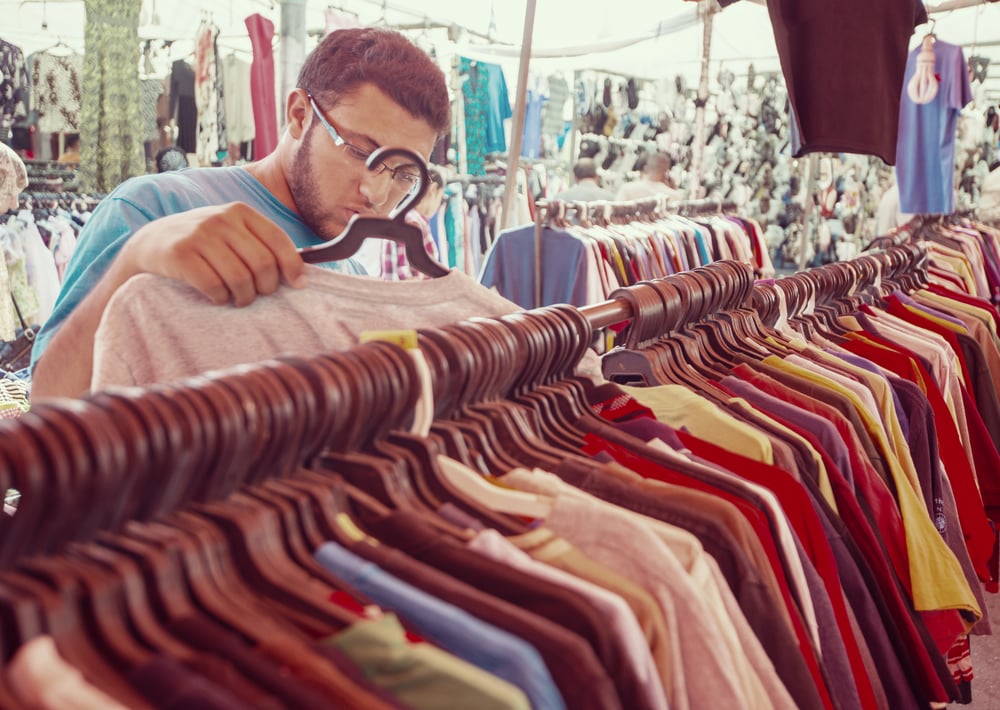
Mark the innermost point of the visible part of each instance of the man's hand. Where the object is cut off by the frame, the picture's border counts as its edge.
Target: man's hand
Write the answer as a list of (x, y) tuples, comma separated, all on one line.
[(231, 253)]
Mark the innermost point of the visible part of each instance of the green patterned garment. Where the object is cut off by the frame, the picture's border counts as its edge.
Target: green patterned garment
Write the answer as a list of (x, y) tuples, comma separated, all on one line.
[(111, 149)]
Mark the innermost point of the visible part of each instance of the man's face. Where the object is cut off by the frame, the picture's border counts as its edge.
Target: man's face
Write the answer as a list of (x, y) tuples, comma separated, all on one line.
[(330, 183)]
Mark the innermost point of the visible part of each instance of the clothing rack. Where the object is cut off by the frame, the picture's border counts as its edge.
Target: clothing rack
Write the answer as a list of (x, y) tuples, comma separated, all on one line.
[(548, 210), (829, 282), (558, 211), (28, 199), (118, 460)]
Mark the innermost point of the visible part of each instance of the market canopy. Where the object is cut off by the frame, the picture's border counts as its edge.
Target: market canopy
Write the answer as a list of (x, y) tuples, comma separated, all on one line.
[(641, 38)]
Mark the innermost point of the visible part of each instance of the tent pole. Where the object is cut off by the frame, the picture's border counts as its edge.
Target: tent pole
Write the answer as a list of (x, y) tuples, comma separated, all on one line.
[(707, 10), (520, 106), (807, 213)]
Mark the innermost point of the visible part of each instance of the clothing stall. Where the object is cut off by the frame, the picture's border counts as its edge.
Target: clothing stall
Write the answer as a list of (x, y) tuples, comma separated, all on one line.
[(596, 455), (579, 252), (784, 482)]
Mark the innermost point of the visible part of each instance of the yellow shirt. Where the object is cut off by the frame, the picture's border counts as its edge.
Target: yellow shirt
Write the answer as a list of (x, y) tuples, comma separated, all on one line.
[(936, 578), (680, 407), (882, 392)]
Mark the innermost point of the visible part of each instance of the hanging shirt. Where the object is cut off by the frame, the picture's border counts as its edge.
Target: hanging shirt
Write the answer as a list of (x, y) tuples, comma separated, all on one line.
[(142, 340), (211, 112), (56, 88), (265, 108), (843, 66), (13, 86), (152, 90), (926, 147), (138, 202), (238, 103)]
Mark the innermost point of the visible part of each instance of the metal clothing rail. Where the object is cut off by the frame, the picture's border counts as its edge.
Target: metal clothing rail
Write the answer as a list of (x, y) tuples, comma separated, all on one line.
[(829, 281)]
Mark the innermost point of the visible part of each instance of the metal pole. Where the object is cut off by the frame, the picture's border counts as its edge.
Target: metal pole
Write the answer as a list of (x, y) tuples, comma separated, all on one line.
[(520, 106), (707, 11), (808, 209)]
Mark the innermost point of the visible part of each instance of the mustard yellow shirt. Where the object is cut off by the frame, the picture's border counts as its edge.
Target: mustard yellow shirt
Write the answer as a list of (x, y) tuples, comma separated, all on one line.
[(936, 577), (678, 407)]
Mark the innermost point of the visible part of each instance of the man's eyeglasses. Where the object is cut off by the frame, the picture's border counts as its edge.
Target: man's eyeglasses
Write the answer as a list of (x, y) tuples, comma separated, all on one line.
[(404, 178)]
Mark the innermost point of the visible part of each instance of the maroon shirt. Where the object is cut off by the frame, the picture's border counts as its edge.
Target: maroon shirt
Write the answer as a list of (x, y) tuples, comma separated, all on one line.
[(844, 64)]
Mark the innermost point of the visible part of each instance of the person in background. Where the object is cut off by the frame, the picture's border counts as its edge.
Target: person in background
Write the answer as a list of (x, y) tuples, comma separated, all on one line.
[(233, 233), (71, 149), (588, 187), (654, 180), (394, 266), (172, 158)]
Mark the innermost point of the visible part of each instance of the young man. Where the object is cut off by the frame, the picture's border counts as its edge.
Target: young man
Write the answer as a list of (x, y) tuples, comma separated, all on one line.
[(232, 233)]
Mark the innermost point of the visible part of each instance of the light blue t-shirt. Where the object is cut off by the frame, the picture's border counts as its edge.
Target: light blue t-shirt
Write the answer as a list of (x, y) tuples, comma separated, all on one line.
[(482, 644), (925, 148), (141, 200)]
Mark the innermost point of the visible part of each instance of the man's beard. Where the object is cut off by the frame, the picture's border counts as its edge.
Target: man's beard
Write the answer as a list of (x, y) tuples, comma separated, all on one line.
[(306, 193)]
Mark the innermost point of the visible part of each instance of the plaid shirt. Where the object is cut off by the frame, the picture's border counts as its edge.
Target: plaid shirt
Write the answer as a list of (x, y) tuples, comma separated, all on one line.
[(395, 266)]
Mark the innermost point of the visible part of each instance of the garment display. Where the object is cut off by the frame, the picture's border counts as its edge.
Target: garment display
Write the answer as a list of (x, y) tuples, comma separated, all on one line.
[(209, 94), (152, 90), (487, 105), (111, 145), (56, 90), (584, 265), (14, 86), (265, 108), (926, 150), (238, 99), (37, 241), (783, 507), (844, 76)]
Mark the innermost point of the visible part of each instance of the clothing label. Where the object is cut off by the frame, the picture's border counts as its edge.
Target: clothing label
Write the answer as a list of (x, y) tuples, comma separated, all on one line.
[(406, 339)]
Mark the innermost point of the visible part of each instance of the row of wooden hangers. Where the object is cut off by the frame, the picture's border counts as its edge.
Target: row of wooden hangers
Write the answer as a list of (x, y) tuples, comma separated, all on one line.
[(206, 498), (152, 504), (685, 326), (559, 212)]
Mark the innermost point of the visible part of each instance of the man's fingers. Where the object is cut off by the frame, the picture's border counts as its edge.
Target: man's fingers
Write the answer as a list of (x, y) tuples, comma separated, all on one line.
[(289, 262)]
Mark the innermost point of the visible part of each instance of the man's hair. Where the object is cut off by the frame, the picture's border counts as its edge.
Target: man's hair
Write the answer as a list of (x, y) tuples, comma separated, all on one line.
[(585, 168), (345, 59), (71, 140)]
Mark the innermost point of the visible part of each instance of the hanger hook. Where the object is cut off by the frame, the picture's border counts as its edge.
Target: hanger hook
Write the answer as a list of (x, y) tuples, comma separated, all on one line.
[(380, 155)]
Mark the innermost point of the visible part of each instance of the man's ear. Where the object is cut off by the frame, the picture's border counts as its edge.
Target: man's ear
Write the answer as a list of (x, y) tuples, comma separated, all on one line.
[(298, 113)]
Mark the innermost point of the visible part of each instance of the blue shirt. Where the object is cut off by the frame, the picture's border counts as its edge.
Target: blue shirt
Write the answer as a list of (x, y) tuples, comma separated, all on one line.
[(925, 148), (141, 200), (453, 629)]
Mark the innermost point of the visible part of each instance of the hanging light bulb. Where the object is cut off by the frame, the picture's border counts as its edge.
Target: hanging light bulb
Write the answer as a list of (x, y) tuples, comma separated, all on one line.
[(923, 85)]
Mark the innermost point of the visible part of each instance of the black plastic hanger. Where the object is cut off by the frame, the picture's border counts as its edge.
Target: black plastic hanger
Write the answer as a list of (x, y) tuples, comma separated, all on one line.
[(394, 228)]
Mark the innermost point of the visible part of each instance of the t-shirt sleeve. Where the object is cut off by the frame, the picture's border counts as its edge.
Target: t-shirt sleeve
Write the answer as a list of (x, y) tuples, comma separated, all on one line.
[(113, 221), (960, 94)]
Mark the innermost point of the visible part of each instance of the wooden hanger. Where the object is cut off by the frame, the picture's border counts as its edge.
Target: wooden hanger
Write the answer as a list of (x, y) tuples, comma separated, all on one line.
[(395, 228)]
